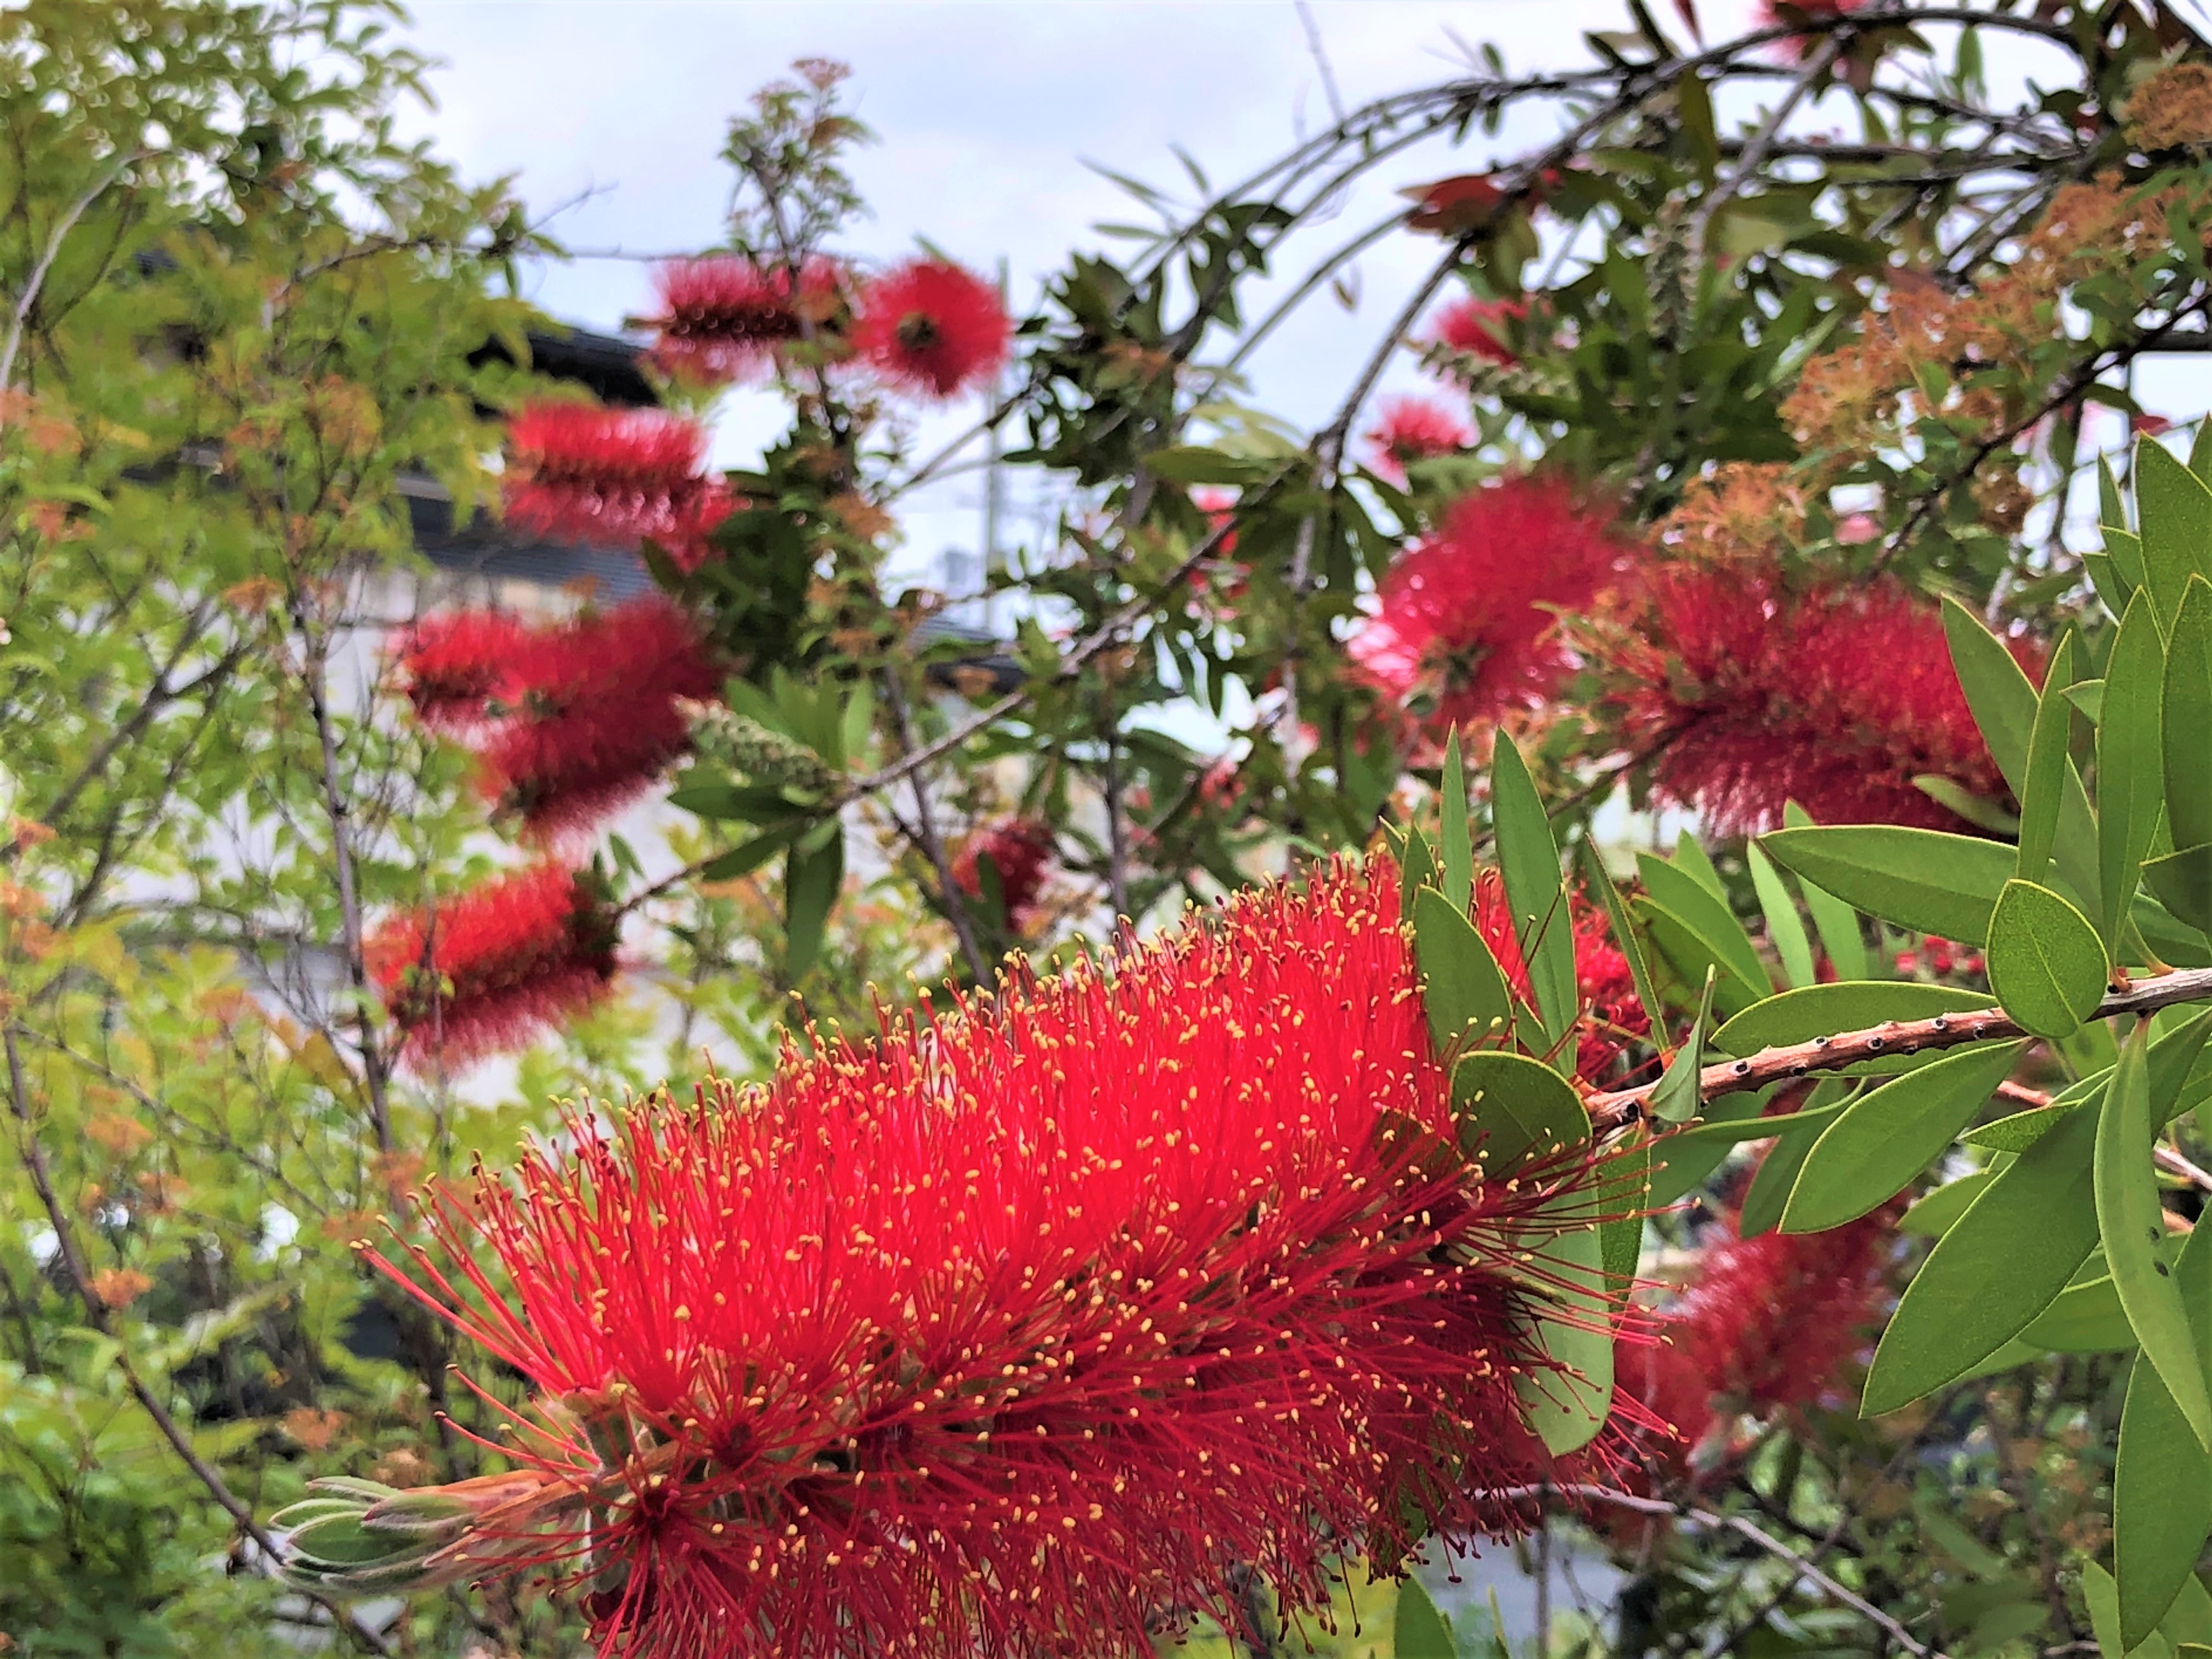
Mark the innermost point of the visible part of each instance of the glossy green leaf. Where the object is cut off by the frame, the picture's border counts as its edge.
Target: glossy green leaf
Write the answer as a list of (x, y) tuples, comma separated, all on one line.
[(1535, 892), (1932, 1216), (813, 872), (2130, 1222), (2187, 720), (2130, 764), (1817, 1010), (1683, 949), (1416, 869), (1684, 897), (1922, 879), (1692, 860), (2048, 765), (1597, 881), (2114, 591), (1682, 1159), (1567, 1407), (2086, 1317), (1464, 991), (2175, 522), (1785, 929), (2015, 1133), (1512, 1109), (1620, 1241), (2182, 882), (2046, 964), (2102, 1596), (2162, 1480), (1889, 1135), (1678, 1096), (2002, 697), (1994, 1270), (1768, 1195), (1842, 935), (1455, 838), (1418, 1629)]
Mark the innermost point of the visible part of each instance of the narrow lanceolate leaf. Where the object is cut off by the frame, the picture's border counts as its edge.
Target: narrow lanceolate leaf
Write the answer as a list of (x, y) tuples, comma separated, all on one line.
[(1512, 1109), (1568, 1406), (1454, 840), (1533, 890), (2132, 1225), (1464, 991), (2162, 1480), (1419, 1630), (1995, 1269), (2046, 964), (1997, 690), (2130, 764), (2186, 726), (1623, 932), (1815, 1011), (1870, 1153), (1416, 870), (1922, 879), (1620, 1241), (1841, 933), (1677, 1097), (2048, 765), (1785, 927), (2175, 508), (1678, 891)]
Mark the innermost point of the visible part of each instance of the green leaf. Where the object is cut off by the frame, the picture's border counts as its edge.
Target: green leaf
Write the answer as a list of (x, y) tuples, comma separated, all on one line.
[(2086, 1318), (812, 875), (1889, 1135), (2015, 1133), (1783, 925), (1689, 858), (2162, 1480), (1464, 991), (2130, 764), (744, 860), (1816, 1011), (1535, 892), (2046, 962), (1512, 1109), (2187, 718), (2174, 510), (1683, 1158), (1416, 870), (1768, 1195), (1997, 689), (2131, 1224), (1419, 1631), (2048, 765), (1620, 1241), (1933, 1215), (2103, 1597), (1924, 879), (1567, 1407), (1623, 932), (1683, 896), (2182, 882), (1680, 1094), (1993, 1271), (1454, 840), (1682, 949), (1837, 924)]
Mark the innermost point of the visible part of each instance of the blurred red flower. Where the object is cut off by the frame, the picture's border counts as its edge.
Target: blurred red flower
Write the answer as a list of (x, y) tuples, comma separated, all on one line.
[(1020, 850), (723, 317), (614, 477), (931, 328), (1479, 326), (1413, 429)]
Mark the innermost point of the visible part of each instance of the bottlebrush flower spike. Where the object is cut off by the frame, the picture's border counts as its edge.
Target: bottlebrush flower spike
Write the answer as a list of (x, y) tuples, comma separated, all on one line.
[(1016, 1331), (1020, 850), (600, 715), (1413, 429), (931, 328), (462, 666), (1468, 615), (614, 476), (1478, 326), (723, 317), (1613, 1016), (1838, 696), (492, 967)]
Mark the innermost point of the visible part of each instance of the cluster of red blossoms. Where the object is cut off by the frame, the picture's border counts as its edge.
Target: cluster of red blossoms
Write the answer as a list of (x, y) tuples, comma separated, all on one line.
[(495, 965), (1477, 327), (1613, 1016), (568, 721), (1413, 429), (1020, 850), (927, 327), (1767, 1325), (1470, 613), (1836, 696), (1021, 1329), (614, 477)]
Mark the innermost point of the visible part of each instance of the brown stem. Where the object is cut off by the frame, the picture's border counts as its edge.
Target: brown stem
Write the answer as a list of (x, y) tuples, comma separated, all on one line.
[(1908, 1037), (931, 843)]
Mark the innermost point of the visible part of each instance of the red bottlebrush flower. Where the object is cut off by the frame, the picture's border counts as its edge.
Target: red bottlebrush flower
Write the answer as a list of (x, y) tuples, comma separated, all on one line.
[(598, 716), (1613, 1016), (1838, 697), (931, 328), (723, 317), (1414, 429), (492, 967), (1461, 614), (462, 665), (614, 476), (1477, 326), (1015, 1330), (1020, 850)]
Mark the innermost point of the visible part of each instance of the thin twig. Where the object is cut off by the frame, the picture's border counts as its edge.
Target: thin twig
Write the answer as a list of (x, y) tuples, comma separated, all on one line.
[(931, 843), (36, 282)]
